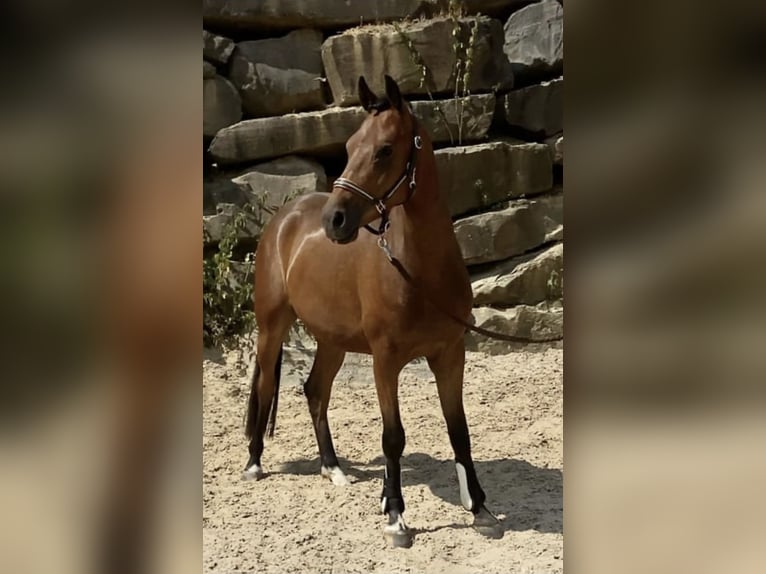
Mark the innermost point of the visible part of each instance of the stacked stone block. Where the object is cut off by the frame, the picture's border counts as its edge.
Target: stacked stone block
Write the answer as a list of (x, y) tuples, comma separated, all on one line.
[(280, 102)]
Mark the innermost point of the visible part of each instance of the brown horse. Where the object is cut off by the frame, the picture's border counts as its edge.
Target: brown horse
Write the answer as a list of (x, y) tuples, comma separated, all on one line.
[(314, 263)]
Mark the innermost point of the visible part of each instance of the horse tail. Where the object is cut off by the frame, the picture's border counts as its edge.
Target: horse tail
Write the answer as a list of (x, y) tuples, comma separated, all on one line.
[(275, 399), (253, 403)]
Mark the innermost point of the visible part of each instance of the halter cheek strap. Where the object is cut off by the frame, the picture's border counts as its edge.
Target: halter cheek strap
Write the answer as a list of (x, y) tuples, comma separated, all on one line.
[(380, 202)]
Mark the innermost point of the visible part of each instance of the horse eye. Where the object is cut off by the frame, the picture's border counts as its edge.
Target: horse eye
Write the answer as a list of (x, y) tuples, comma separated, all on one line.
[(383, 152)]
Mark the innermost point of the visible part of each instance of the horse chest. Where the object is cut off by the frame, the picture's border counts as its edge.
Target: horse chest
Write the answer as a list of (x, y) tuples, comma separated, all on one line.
[(402, 313)]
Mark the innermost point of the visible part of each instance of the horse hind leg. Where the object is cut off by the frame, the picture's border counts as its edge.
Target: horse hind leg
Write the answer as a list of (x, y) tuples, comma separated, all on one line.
[(317, 388), (262, 404), (447, 367)]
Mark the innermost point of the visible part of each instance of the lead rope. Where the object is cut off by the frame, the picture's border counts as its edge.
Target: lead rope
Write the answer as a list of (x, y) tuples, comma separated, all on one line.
[(383, 244), (481, 330)]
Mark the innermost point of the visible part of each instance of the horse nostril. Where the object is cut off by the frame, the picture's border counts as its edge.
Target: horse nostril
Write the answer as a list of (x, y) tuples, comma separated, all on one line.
[(338, 219)]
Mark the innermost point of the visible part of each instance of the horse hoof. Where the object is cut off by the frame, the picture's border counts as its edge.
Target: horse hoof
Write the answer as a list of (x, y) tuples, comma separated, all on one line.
[(486, 524), (253, 472), (494, 532), (398, 538), (336, 475), (397, 534)]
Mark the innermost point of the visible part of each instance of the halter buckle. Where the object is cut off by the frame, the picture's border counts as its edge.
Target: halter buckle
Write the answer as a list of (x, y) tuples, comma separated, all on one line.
[(381, 207), (383, 244), (417, 142)]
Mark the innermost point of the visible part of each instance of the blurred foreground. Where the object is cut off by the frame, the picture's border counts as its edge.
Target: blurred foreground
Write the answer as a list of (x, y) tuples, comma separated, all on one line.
[(666, 316), (100, 291)]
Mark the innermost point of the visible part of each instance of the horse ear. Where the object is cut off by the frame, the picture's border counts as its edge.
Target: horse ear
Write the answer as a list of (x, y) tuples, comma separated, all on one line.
[(392, 92), (366, 96)]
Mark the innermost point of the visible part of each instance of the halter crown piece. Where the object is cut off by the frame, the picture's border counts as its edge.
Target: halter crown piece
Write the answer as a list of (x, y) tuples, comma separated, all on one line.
[(380, 202)]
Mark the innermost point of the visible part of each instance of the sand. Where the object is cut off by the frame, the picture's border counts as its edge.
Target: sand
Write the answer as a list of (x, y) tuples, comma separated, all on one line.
[(295, 521)]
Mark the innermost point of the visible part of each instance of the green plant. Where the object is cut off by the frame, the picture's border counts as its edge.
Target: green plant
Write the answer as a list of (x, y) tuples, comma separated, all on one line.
[(227, 287), (466, 78), (227, 294), (463, 52)]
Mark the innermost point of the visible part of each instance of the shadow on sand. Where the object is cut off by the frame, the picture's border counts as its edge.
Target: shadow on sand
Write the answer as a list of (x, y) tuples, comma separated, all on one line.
[(530, 497)]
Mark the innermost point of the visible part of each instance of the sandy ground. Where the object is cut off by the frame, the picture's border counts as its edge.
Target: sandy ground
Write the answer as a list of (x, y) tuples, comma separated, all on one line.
[(295, 521)]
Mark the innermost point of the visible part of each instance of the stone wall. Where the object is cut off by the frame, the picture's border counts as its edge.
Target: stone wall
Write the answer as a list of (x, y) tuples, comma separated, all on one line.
[(280, 102)]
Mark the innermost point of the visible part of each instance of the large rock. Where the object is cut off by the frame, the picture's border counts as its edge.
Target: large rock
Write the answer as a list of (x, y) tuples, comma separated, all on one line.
[(552, 208), (478, 176), (263, 189), (279, 75), (221, 105), (527, 280), (215, 226), (456, 121), (498, 235), (219, 190), (534, 38), (326, 131), (543, 321), (284, 14), (556, 145), (538, 109), (490, 7), (373, 51), (310, 133), (270, 15), (274, 183), (215, 48), (208, 70), (556, 234)]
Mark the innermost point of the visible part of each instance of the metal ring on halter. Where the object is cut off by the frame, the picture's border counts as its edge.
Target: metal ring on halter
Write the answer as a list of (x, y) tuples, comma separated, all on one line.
[(417, 142), (383, 244), (413, 183)]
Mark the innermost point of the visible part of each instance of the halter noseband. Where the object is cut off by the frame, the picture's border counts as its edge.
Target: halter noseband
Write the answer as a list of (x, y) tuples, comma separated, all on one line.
[(380, 202)]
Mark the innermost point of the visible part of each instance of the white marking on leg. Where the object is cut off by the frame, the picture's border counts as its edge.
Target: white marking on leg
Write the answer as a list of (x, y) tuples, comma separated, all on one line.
[(465, 495), (254, 472), (336, 475), (384, 500)]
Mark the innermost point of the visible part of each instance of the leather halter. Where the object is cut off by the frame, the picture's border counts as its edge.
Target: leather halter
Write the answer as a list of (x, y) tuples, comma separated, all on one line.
[(380, 202)]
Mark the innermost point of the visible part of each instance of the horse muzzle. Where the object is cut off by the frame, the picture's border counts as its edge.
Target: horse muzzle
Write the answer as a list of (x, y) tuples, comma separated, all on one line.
[(341, 225)]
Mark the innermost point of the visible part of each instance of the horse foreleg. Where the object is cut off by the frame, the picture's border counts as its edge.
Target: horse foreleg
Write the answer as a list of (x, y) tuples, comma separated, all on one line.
[(392, 500), (448, 367), (317, 388)]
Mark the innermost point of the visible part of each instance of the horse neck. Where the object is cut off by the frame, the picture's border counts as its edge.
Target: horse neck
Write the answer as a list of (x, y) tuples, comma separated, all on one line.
[(426, 229)]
